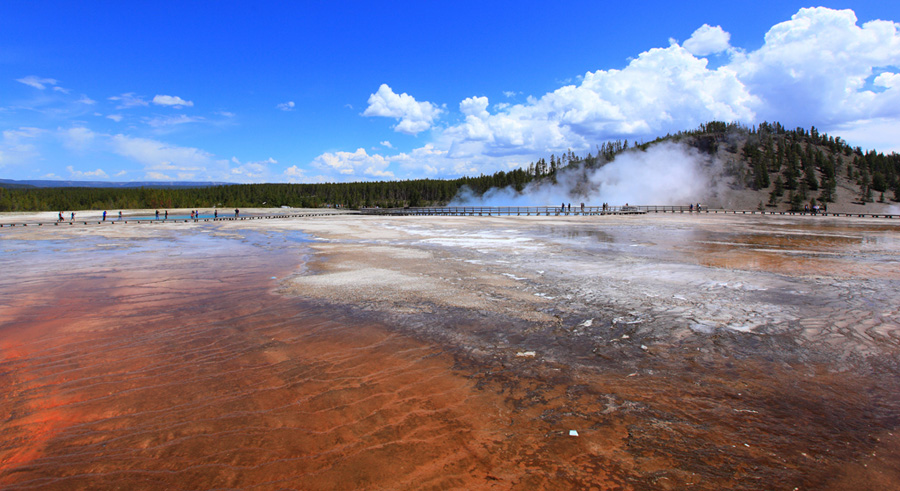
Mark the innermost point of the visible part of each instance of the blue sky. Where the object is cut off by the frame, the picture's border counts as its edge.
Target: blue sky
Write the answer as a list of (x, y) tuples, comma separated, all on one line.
[(347, 91)]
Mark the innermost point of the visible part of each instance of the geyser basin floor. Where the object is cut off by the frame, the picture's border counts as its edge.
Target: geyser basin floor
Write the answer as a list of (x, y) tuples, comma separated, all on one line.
[(687, 352)]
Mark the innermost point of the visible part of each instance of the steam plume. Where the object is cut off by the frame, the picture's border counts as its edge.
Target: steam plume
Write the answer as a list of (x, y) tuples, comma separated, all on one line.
[(664, 174)]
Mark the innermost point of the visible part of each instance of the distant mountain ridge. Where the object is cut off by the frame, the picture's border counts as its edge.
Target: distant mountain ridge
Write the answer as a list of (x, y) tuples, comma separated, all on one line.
[(47, 183)]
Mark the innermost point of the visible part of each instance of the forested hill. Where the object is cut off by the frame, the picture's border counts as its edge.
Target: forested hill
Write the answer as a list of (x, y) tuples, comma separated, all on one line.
[(782, 168)]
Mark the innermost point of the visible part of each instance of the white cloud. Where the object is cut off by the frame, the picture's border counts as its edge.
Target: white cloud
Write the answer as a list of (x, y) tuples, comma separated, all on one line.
[(76, 174), (819, 68), (286, 106), (171, 100), (86, 100), (116, 117), (708, 40), (77, 138), (414, 117), (23, 132), (37, 82), (354, 164), (813, 69), (157, 176), (128, 100), (386, 144), (17, 146), (887, 80), (510, 93), (157, 155), (295, 174), (163, 121), (251, 171)]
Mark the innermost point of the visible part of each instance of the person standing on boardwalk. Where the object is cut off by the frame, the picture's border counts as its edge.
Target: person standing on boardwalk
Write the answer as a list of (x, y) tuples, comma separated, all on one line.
[(104, 215), (216, 213), (120, 215), (157, 214), (60, 216), (73, 216), (236, 212)]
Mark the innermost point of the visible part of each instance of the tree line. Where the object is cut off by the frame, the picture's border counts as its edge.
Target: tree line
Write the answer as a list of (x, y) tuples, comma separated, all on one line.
[(795, 166)]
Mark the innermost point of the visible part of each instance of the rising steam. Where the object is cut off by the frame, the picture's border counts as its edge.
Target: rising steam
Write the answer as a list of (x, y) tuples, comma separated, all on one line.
[(664, 174)]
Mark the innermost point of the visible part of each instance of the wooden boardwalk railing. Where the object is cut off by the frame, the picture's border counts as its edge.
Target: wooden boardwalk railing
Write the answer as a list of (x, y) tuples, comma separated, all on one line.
[(149, 220), (589, 210), (452, 211)]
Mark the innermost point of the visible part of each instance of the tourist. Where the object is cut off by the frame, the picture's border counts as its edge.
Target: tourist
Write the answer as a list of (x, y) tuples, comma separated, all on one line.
[(60, 216), (73, 216), (157, 214), (120, 215), (104, 215), (236, 212), (167, 214)]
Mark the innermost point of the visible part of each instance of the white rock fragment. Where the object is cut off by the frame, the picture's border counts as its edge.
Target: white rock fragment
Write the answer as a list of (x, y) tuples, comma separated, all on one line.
[(573, 433), (587, 323), (526, 354)]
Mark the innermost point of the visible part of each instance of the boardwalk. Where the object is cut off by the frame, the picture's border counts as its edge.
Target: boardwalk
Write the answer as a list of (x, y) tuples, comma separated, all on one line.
[(587, 210), (435, 211)]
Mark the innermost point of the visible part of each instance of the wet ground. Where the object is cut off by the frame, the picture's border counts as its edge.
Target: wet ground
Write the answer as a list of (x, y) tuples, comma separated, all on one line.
[(379, 353)]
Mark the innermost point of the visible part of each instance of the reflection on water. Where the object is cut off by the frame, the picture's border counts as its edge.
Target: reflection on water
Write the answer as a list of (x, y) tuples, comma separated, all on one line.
[(796, 247)]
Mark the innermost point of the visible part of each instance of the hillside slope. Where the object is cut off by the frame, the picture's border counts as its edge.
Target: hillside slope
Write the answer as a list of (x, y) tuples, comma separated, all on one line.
[(769, 167)]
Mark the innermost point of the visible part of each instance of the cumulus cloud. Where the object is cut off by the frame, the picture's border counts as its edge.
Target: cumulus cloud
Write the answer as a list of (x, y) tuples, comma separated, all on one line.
[(251, 171), (286, 106), (708, 40), (128, 100), (93, 174), (819, 68), (387, 144), (813, 68), (354, 164), (171, 100), (295, 174), (414, 117), (116, 117)]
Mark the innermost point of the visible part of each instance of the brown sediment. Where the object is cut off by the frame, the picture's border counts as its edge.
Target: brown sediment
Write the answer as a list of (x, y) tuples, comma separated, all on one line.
[(168, 362)]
